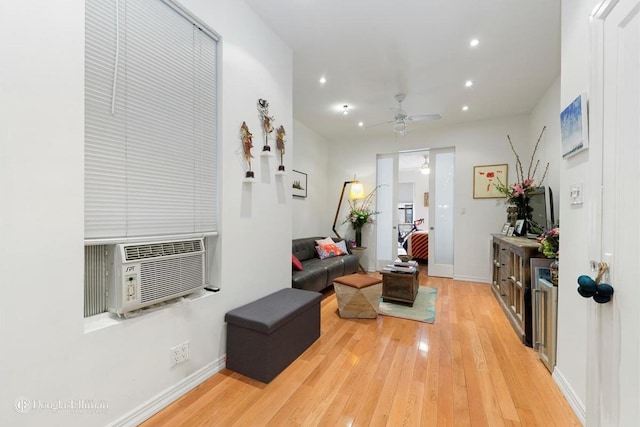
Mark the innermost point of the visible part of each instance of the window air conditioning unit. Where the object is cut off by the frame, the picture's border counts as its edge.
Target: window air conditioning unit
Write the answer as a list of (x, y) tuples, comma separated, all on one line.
[(149, 273)]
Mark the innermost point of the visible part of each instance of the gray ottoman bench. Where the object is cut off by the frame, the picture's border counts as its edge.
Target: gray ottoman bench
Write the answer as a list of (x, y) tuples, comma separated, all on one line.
[(265, 336)]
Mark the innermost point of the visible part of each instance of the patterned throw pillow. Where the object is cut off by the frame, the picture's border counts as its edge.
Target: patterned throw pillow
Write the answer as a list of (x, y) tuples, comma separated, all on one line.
[(325, 241), (328, 251), (295, 263), (342, 246)]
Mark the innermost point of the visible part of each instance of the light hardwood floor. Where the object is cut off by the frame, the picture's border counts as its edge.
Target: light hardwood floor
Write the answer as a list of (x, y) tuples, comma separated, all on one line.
[(466, 369)]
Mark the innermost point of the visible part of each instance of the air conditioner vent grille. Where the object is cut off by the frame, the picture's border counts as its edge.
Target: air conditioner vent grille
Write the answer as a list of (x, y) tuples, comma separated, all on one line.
[(157, 250), (171, 276)]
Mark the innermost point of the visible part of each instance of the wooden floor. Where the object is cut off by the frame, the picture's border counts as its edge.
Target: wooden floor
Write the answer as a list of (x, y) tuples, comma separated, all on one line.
[(466, 369)]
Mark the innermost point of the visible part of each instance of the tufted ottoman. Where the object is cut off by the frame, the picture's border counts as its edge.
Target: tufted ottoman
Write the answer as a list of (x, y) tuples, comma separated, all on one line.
[(358, 296)]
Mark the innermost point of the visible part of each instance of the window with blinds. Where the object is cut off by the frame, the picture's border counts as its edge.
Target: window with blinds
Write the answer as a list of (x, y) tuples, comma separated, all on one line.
[(150, 130), (150, 121)]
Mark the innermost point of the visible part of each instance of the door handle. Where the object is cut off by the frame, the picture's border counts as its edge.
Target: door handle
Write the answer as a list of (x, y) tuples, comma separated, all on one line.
[(587, 287)]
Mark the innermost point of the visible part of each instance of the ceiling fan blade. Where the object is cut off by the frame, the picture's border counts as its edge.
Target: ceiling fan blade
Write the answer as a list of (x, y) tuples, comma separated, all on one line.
[(422, 117), (379, 124)]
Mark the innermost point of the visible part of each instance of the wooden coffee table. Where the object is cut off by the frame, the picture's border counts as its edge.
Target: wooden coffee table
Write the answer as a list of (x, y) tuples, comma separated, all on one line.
[(400, 287)]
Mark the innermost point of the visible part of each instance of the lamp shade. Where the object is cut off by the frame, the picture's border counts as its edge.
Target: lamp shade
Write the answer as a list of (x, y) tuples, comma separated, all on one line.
[(357, 191)]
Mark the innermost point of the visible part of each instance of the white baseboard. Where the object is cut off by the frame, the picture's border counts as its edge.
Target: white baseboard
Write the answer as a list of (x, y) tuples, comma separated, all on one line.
[(571, 396), (162, 400), (476, 279)]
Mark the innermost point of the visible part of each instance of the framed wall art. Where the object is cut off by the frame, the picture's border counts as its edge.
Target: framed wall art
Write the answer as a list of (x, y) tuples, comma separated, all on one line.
[(574, 127), (299, 184), (484, 178)]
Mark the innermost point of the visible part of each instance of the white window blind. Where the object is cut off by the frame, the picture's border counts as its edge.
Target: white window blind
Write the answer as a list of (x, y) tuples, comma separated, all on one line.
[(150, 121)]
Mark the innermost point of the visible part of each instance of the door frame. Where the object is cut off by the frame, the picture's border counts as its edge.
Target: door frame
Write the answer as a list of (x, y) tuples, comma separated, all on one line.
[(598, 390)]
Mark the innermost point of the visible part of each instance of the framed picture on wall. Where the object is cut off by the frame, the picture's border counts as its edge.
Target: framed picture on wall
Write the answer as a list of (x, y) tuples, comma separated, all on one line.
[(574, 127), (299, 184), (484, 178), (426, 199)]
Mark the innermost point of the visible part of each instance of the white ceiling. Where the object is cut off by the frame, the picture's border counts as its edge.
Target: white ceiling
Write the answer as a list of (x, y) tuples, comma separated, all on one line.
[(370, 50)]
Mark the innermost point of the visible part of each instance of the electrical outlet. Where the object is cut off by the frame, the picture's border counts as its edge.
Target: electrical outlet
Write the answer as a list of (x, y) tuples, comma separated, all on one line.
[(185, 351), (178, 354)]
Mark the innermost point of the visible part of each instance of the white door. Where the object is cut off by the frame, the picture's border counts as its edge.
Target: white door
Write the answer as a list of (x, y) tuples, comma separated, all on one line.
[(441, 179), (386, 203), (613, 354)]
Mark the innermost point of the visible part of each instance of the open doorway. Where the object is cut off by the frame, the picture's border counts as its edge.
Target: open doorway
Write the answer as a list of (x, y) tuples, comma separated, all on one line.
[(415, 205)]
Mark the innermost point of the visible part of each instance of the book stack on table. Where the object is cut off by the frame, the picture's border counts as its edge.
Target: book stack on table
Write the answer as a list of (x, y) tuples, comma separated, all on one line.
[(402, 267)]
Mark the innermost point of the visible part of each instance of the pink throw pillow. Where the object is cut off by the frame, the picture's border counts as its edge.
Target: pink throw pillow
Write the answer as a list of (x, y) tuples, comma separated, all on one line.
[(295, 263)]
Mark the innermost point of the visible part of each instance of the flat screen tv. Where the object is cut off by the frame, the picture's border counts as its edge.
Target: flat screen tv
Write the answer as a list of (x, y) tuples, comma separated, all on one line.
[(541, 203)]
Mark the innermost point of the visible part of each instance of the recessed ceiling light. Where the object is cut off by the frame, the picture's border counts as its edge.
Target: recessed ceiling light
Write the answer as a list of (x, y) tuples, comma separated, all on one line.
[(360, 124), (465, 108), (323, 80), (474, 42), (468, 83)]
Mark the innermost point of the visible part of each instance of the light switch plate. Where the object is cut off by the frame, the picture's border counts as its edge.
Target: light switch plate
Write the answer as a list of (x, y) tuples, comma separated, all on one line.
[(575, 194)]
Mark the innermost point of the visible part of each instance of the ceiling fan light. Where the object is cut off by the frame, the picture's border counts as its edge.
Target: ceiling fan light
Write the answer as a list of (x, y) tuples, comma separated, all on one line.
[(424, 168), (400, 127)]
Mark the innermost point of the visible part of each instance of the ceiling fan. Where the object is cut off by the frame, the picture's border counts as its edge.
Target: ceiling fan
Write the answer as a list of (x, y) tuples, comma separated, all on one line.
[(401, 118)]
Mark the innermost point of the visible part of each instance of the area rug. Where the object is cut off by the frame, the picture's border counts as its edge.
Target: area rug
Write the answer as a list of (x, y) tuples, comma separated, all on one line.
[(423, 310)]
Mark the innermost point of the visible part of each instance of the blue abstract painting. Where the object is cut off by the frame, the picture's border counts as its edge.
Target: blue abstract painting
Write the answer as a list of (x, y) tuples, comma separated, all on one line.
[(574, 127)]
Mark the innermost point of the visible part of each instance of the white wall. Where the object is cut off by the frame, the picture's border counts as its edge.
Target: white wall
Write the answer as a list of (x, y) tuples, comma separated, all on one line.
[(547, 113), (572, 309), (476, 143), (311, 156), (46, 355)]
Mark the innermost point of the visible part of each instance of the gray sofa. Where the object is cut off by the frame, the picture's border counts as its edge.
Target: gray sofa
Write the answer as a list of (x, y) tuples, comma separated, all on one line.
[(318, 274)]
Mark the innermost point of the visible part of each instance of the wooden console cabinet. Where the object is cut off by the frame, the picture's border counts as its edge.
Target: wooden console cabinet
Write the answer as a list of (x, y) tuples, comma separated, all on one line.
[(511, 280)]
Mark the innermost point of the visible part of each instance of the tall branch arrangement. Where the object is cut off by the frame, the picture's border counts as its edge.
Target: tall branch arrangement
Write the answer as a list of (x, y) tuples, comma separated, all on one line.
[(519, 192)]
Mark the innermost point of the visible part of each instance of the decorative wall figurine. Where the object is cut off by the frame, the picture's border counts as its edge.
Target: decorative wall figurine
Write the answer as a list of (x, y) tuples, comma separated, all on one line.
[(247, 145), (280, 134), (267, 122)]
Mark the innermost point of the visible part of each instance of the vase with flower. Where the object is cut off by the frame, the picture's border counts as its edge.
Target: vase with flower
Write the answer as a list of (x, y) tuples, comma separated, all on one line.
[(550, 247), (361, 214), (518, 194)]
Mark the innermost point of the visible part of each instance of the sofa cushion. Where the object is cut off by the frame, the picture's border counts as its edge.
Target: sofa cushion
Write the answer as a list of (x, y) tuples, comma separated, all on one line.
[(305, 248), (313, 278), (335, 268)]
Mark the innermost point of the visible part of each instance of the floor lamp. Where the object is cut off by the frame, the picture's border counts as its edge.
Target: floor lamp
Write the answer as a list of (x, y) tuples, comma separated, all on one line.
[(357, 192)]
